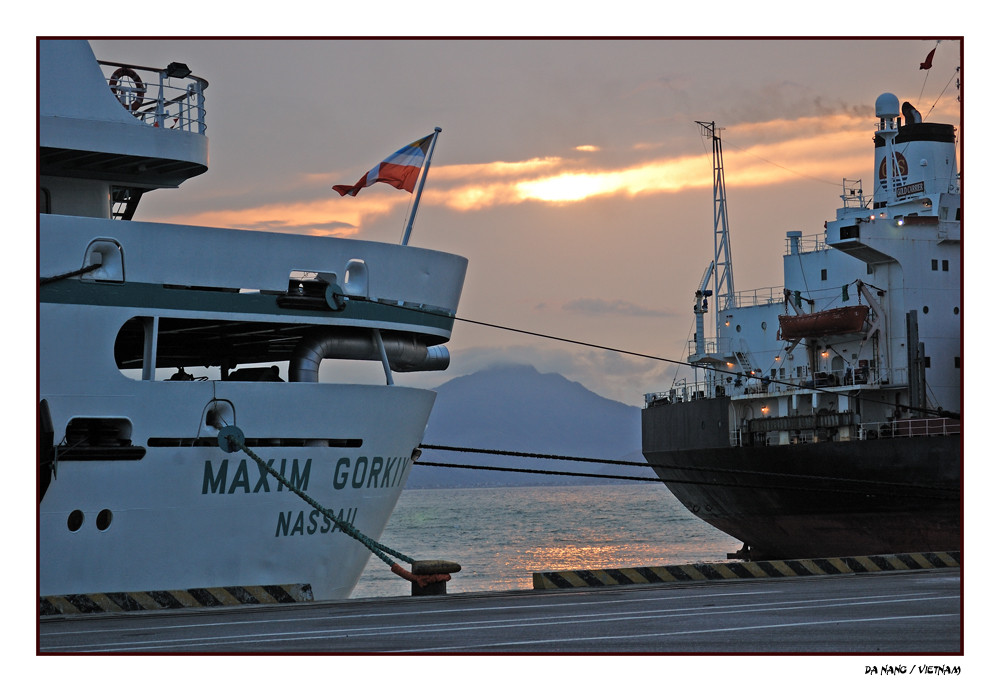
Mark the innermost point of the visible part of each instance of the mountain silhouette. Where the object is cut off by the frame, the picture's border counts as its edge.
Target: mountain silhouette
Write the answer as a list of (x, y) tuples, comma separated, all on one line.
[(516, 408)]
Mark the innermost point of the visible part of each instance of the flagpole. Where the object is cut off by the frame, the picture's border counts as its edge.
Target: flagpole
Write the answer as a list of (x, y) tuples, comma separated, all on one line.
[(420, 188)]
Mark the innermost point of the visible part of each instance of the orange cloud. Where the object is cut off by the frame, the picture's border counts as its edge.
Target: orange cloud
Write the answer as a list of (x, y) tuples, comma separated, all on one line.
[(330, 217), (783, 150)]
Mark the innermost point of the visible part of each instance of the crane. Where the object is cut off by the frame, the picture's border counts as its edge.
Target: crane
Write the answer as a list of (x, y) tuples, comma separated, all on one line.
[(701, 297), (722, 266)]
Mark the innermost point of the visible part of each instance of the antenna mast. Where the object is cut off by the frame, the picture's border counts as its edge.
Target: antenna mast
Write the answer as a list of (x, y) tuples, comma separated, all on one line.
[(725, 294)]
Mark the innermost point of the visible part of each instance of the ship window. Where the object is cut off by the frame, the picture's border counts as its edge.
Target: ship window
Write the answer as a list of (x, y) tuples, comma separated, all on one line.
[(44, 201), (74, 521), (763, 326), (933, 265), (104, 519), (822, 274), (184, 350), (160, 348), (739, 328), (958, 361), (927, 361), (944, 265), (926, 309), (869, 269), (956, 310)]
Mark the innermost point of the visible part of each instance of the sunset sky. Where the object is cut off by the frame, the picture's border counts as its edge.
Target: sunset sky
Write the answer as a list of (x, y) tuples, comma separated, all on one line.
[(570, 173)]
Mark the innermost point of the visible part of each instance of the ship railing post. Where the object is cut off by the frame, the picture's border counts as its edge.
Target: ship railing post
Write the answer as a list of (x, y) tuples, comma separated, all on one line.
[(200, 108), (380, 346)]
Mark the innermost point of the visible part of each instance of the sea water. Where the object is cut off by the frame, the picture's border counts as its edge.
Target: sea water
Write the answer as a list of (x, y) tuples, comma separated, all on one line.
[(500, 536)]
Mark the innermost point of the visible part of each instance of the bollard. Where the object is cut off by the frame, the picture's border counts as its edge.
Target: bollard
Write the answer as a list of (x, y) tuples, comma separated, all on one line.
[(439, 568)]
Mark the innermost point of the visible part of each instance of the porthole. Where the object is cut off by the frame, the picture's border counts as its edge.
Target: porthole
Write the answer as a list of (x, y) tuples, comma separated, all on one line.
[(926, 309), (763, 326), (104, 519), (75, 520), (739, 328), (956, 310)]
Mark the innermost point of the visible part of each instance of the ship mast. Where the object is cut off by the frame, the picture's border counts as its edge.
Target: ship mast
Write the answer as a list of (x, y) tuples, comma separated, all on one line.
[(725, 294)]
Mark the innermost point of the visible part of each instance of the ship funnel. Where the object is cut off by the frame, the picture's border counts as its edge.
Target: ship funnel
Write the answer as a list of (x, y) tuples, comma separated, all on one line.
[(911, 114)]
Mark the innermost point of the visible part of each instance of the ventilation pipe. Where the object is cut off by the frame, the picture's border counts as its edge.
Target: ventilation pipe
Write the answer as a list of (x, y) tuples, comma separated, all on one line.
[(405, 353)]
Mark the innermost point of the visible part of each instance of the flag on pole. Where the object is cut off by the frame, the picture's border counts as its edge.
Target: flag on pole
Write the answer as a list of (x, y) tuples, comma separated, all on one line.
[(400, 169), (926, 64)]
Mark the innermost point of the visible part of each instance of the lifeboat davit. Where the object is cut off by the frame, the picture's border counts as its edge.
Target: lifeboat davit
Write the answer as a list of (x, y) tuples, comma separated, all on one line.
[(844, 320)]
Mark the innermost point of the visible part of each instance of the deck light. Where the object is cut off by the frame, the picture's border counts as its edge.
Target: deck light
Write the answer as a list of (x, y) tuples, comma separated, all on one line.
[(178, 69)]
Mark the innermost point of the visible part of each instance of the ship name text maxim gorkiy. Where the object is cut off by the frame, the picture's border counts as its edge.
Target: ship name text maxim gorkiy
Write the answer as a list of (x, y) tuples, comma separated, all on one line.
[(154, 337)]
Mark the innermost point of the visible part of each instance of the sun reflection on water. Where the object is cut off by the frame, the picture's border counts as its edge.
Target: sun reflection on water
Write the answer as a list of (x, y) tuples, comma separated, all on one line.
[(501, 536)]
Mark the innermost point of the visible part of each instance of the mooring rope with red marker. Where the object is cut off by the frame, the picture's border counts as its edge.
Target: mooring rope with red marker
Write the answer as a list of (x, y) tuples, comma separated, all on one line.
[(425, 572)]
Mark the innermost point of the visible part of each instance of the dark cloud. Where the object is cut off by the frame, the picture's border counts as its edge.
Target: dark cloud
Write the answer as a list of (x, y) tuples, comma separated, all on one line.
[(284, 226), (600, 306)]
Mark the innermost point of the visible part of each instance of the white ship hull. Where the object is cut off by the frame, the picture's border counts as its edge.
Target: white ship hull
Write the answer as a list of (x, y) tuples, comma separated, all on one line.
[(154, 337), (197, 517)]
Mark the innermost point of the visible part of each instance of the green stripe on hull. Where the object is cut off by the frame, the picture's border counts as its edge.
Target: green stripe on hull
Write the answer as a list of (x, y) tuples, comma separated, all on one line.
[(158, 297)]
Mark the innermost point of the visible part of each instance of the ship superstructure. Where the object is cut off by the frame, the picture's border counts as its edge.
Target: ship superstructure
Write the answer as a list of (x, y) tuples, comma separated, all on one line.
[(824, 416), (155, 336)]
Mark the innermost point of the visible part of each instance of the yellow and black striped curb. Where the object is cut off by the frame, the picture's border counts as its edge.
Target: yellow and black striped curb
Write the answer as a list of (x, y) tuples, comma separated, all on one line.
[(570, 579), (119, 602)]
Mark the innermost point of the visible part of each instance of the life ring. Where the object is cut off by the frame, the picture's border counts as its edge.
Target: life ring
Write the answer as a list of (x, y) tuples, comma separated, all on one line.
[(130, 97)]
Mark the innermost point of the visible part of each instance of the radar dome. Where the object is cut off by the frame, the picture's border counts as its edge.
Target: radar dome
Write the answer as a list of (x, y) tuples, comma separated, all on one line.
[(887, 106)]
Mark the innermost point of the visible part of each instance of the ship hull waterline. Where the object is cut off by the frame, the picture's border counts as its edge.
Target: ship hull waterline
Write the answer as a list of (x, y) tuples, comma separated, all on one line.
[(826, 499)]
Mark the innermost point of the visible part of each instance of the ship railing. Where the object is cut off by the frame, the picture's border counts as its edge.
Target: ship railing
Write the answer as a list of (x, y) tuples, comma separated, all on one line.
[(853, 196), (758, 296), (925, 427), (920, 427), (680, 392), (806, 243), (714, 345), (170, 98)]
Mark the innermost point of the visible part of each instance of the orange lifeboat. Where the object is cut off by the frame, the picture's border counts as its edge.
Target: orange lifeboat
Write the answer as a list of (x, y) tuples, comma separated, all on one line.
[(844, 320)]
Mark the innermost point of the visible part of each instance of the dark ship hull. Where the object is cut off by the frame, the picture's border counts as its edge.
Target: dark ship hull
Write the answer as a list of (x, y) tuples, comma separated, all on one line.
[(823, 499)]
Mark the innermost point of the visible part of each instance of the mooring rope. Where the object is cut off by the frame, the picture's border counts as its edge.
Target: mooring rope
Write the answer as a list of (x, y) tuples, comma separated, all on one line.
[(231, 439), (760, 376), (536, 471), (76, 272), (431, 572), (896, 488)]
